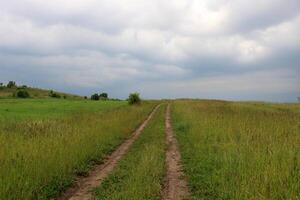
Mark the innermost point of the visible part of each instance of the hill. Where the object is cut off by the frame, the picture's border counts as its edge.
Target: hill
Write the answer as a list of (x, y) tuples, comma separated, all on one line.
[(10, 92)]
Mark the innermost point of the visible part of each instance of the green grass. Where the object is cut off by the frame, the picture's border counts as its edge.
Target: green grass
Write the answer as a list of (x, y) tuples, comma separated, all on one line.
[(239, 150), (16, 109), (40, 157), (139, 174)]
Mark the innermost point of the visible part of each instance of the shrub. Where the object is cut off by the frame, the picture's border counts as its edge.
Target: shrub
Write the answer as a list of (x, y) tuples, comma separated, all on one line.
[(22, 94), (95, 97), (54, 94), (85, 97), (134, 98)]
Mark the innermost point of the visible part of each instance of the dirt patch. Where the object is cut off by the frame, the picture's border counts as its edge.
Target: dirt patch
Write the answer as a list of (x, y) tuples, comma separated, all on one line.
[(175, 186), (83, 187)]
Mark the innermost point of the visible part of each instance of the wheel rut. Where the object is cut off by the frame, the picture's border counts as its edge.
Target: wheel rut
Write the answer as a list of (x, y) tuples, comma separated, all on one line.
[(83, 187), (175, 186)]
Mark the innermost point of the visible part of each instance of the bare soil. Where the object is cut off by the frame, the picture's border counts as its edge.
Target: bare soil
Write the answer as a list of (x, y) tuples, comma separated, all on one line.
[(175, 186), (83, 187)]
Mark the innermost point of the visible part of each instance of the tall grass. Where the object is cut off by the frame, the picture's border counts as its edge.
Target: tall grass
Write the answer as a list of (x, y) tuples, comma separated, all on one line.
[(239, 151), (139, 174), (39, 158)]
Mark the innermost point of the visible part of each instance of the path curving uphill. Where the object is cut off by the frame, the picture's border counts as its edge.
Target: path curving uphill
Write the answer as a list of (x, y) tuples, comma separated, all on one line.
[(175, 186), (83, 188)]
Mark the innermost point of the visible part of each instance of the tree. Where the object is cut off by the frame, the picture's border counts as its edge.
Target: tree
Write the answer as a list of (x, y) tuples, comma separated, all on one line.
[(1, 84), (298, 99), (95, 97), (103, 96), (11, 84), (22, 94), (134, 98)]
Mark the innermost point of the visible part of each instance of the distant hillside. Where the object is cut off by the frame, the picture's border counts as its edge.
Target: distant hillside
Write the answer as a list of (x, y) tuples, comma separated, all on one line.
[(6, 92)]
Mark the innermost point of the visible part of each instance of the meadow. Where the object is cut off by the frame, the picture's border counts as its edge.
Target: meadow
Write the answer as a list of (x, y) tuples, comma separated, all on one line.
[(20, 109), (41, 155), (239, 150), (229, 150)]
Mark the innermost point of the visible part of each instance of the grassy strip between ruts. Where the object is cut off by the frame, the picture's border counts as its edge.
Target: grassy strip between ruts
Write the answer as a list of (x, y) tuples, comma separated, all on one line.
[(139, 174), (39, 159), (232, 151)]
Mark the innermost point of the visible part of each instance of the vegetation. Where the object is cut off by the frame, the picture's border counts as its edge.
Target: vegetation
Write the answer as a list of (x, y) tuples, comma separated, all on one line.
[(22, 94), (95, 97), (54, 94), (40, 157), (139, 174), (14, 110), (11, 84), (103, 96), (9, 92), (134, 98), (239, 150), (230, 150)]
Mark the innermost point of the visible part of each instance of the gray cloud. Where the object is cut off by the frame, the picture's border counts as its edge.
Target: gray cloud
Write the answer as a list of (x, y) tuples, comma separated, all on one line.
[(218, 49)]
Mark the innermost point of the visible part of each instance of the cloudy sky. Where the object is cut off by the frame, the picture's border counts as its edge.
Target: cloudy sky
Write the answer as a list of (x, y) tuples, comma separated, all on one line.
[(225, 49)]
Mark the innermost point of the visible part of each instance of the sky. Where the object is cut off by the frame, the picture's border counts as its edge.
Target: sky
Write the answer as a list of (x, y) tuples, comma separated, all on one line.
[(213, 49)]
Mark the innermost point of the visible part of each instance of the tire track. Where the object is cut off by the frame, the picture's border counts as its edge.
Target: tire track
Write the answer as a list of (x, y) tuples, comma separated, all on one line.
[(82, 190), (175, 187)]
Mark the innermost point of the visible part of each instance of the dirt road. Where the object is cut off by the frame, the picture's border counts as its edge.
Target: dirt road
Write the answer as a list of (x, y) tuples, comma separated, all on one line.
[(175, 187), (82, 190)]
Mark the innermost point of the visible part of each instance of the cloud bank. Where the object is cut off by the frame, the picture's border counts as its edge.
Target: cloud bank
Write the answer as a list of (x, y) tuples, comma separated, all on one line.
[(230, 49)]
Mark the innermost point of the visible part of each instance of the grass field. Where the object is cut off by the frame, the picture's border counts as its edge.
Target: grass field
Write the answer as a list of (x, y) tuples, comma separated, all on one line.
[(39, 157), (139, 174), (17, 109), (230, 150), (239, 150)]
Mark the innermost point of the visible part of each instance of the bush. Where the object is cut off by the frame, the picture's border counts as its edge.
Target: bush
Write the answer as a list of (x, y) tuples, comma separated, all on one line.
[(134, 98), (54, 94), (22, 94), (95, 97)]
